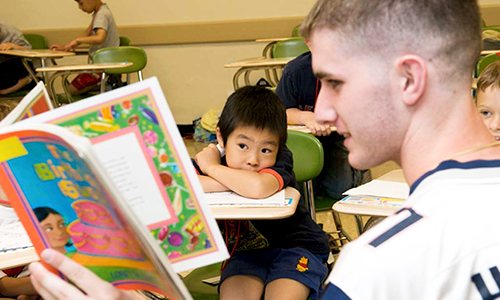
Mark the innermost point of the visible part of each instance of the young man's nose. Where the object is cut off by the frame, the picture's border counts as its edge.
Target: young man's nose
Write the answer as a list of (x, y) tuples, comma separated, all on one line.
[(323, 110)]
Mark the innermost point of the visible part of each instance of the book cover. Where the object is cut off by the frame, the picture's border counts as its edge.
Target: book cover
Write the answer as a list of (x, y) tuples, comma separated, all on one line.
[(35, 102), (137, 141), (66, 201)]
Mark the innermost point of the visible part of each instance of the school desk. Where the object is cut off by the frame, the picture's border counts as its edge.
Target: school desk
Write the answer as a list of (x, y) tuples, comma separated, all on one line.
[(64, 71), (41, 54), (245, 66), (17, 258), (259, 213), (396, 187)]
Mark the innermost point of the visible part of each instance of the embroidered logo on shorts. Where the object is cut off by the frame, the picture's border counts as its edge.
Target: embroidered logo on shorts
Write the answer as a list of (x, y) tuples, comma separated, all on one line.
[(302, 265)]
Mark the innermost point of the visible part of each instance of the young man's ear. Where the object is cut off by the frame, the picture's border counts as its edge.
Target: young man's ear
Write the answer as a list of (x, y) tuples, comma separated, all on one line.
[(220, 140), (412, 74)]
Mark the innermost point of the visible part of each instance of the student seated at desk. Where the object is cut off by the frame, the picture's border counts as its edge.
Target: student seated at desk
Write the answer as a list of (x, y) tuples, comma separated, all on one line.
[(285, 258), (101, 33), (488, 97), (13, 74)]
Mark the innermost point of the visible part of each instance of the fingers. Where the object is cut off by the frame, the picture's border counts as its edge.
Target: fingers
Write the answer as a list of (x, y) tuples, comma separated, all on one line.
[(51, 286)]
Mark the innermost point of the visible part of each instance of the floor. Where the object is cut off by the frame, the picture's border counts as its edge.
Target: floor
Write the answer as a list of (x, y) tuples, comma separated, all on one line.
[(324, 218)]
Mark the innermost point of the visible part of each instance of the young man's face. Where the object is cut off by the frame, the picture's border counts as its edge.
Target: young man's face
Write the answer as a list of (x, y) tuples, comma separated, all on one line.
[(356, 97), (248, 148), (55, 229), (87, 6), (488, 105)]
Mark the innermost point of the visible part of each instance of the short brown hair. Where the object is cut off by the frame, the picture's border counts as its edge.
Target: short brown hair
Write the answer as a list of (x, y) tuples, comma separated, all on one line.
[(6, 106), (489, 77), (445, 30)]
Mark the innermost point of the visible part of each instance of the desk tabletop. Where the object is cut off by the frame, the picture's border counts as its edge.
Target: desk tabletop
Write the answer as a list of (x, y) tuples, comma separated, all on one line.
[(37, 53), (259, 62), (486, 52), (18, 258), (272, 40), (85, 67), (259, 213)]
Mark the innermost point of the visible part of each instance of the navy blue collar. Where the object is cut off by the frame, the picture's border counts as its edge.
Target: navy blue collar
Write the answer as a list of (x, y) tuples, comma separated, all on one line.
[(453, 164)]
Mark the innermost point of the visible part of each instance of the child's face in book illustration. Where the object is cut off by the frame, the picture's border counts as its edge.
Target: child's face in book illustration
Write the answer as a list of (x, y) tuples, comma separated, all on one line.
[(55, 229), (488, 106), (249, 148)]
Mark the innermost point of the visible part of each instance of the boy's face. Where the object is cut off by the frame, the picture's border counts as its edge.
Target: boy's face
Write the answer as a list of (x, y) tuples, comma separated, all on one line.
[(249, 148), (488, 105), (87, 6)]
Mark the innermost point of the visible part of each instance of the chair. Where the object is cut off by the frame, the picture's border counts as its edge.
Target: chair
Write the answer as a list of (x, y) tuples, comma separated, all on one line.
[(124, 41), (485, 61), (198, 289), (295, 31), (132, 54), (307, 164), (287, 48), (37, 41)]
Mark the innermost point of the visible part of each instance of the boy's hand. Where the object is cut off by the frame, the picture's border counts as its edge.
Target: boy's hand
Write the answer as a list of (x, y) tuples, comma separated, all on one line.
[(6, 46), (208, 157), (318, 129), (56, 47)]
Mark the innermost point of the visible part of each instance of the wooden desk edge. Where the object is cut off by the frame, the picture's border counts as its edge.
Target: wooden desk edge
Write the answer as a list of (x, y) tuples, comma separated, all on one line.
[(256, 213), (259, 62), (16, 259), (84, 67)]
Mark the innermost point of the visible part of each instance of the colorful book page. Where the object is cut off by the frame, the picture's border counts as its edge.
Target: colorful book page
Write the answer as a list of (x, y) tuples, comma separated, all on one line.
[(64, 205), (133, 127)]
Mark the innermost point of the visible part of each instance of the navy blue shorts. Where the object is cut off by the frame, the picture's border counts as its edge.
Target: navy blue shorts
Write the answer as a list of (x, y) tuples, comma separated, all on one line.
[(296, 263)]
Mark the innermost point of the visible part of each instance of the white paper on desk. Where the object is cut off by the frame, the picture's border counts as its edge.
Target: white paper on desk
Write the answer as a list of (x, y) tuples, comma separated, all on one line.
[(381, 188), (232, 199)]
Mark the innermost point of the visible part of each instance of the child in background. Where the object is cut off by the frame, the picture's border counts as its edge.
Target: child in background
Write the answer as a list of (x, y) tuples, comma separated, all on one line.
[(285, 258), (101, 33), (13, 74), (14, 283), (488, 97)]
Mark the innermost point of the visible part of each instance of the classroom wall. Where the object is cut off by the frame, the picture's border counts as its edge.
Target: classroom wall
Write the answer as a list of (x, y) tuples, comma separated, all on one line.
[(190, 70)]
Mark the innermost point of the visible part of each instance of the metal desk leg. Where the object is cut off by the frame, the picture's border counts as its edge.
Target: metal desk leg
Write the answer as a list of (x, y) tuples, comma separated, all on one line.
[(28, 68)]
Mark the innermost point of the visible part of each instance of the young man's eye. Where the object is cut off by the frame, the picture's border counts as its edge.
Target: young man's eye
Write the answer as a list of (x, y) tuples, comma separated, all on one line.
[(243, 146), (333, 83)]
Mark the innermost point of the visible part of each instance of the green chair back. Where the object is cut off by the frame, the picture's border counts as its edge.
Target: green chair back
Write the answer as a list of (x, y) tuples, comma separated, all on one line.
[(485, 61), (289, 48), (295, 31), (37, 41), (307, 155), (132, 54), (124, 41)]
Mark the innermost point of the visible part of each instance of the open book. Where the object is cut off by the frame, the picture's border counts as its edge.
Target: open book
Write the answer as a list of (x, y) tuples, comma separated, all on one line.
[(67, 201), (136, 140), (35, 102)]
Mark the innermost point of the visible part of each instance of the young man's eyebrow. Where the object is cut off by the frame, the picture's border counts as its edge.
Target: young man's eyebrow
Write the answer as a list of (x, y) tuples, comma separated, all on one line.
[(320, 75)]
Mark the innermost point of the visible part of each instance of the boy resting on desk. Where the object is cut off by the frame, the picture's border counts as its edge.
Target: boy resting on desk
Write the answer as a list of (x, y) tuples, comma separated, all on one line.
[(13, 74), (488, 97), (101, 33), (285, 258)]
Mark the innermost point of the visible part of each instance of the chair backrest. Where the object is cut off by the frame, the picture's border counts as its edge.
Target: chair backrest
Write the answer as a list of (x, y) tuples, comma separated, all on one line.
[(289, 48), (295, 31), (485, 61), (307, 155), (132, 54), (37, 41), (124, 41)]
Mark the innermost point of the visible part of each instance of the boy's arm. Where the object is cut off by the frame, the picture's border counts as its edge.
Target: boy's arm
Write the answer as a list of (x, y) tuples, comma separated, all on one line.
[(86, 32), (13, 287), (9, 46), (297, 116), (211, 185), (245, 183), (96, 39)]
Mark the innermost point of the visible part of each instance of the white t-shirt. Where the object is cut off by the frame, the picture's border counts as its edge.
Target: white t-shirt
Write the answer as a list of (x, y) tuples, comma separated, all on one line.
[(445, 243)]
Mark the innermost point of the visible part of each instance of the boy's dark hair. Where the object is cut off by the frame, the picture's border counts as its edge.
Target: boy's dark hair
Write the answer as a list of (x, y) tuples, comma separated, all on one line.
[(489, 77), (254, 106)]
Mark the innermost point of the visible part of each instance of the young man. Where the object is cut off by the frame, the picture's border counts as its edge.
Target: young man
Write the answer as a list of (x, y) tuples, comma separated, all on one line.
[(396, 82), (101, 33), (488, 98), (266, 254)]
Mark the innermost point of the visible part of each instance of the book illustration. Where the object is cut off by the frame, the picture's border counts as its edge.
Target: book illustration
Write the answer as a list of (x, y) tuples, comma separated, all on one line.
[(375, 201), (137, 141), (35, 102), (66, 202)]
